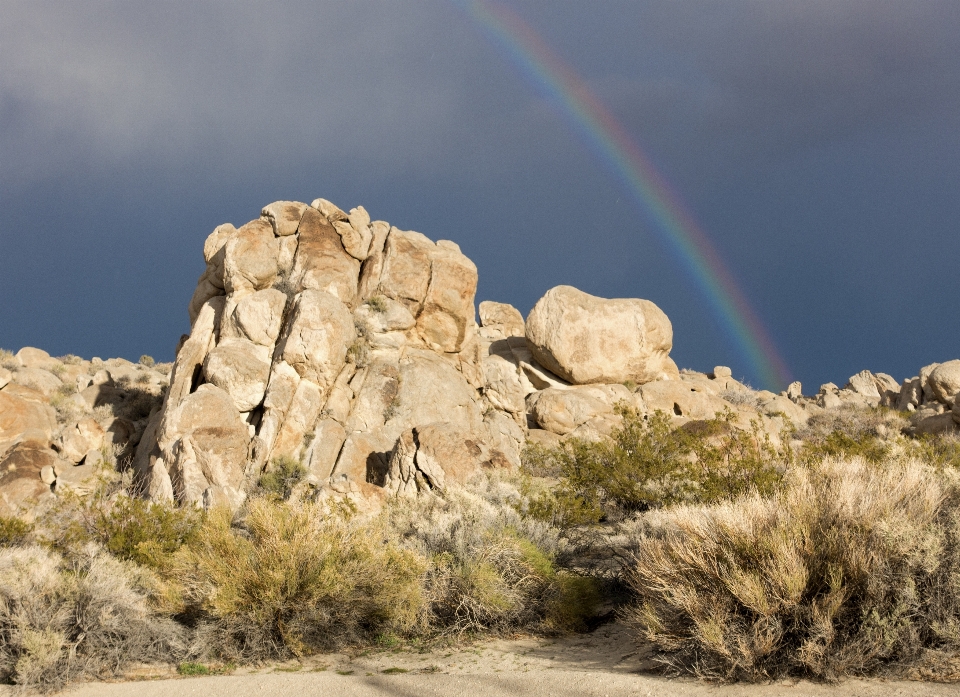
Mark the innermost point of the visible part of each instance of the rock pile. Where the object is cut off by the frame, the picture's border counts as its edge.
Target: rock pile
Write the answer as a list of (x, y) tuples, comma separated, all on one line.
[(63, 420), (350, 346)]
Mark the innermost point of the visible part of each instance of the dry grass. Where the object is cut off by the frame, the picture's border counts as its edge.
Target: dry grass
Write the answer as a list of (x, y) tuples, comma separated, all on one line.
[(491, 568), (8, 360), (88, 618), (851, 431), (851, 570)]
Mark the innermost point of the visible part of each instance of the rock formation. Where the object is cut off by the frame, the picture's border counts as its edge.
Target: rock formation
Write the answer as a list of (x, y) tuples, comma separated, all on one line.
[(351, 346)]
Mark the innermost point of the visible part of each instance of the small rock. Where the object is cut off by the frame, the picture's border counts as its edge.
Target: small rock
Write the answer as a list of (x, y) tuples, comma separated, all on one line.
[(721, 371)]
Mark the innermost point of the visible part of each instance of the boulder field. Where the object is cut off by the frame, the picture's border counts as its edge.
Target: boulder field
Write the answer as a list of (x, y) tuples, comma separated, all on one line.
[(353, 347)]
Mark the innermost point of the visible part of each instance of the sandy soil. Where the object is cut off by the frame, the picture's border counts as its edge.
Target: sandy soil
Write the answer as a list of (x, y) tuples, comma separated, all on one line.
[(602, 663)]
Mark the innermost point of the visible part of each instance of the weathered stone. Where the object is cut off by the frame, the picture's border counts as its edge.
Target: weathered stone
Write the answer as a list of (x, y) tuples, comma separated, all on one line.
[(256, 317), (563, 410), (364, 458), (250, 261), (679, 398), (721, 371), (373, 266), (19, 415), (21, 487), (911, 394), (863, 383), (299, 420), (787, 407), (448, 312), (925, 373), (5, 376), (81, 438), (41, 380), (794, 391), (80, 479), (319, 331), (321, 262), (944, 381), (377, 397), (436, 455), (586, 339), (384, 323), (500, 320), (406, 268), (189, 363), (284, 216), (927, 422), (329, 210), (30, 357), (321, 456), (205, 444), (240, 368), (503, 387), (205, 290), (355, 233)]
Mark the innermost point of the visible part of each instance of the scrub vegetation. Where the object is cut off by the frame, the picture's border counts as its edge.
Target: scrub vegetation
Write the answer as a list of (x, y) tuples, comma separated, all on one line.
[(833, 553)]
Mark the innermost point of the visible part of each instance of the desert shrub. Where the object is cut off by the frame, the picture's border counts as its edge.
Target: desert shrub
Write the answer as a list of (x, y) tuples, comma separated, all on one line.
[(491, 568), (851, 431), (851, 569), (8, 360), (378, 303), (147, 361), (647, 463), (284, 474), (129, 528), (740, 396), (63, 621), (940, 451), (13, 531), (289, 580)]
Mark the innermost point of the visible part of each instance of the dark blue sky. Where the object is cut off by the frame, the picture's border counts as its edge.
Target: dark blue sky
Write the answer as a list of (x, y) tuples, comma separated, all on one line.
[(818, 143)]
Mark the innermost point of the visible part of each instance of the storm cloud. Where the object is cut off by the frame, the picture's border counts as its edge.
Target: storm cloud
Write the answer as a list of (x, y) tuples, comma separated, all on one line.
[(817, 143)]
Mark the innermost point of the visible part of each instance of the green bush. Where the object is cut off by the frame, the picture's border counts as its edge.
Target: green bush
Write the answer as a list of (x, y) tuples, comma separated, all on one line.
[(130, 529), (284, 474), (289, 580), (849, 431), (648, 464), (147, 361), (13, 531), (851, 569)]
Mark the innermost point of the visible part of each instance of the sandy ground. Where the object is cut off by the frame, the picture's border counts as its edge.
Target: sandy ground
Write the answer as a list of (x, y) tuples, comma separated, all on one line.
[(602, 663)]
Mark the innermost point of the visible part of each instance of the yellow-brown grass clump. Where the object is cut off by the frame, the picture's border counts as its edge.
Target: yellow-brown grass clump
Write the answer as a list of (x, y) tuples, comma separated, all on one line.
[(850, 569)]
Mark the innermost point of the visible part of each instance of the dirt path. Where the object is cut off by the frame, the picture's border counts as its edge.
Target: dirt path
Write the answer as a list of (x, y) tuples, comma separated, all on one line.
[(602, 663)]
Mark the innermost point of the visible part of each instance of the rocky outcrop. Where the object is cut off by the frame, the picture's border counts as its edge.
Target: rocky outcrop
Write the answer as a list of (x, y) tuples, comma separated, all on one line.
[(322, 336), (352, 347)]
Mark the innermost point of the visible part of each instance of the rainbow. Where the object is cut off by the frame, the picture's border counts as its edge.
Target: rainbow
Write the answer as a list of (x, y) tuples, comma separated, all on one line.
[(646, 186)]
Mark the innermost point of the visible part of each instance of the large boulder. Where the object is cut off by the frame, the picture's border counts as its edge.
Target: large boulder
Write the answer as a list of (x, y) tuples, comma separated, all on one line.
[(19, 414), (562, 411), (240, 368), (321, 263), (319, 332), (22, 489), (433, 456), (585, 339), (944, 382)]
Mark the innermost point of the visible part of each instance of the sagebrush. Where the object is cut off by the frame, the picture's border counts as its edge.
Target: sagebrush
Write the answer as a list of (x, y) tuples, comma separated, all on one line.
[(851, 569)]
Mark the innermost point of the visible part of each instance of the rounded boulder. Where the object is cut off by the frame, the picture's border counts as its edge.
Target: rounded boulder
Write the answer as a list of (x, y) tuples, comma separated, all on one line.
[(585, 339)]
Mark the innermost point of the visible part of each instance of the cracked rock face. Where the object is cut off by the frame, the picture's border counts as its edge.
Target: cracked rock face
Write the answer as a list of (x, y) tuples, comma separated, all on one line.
[(321, 336)]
